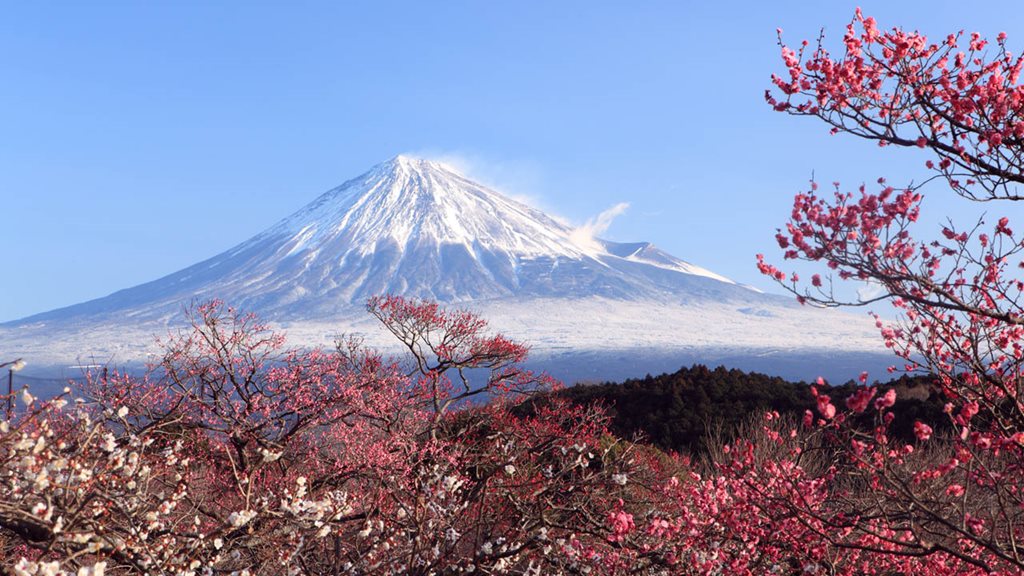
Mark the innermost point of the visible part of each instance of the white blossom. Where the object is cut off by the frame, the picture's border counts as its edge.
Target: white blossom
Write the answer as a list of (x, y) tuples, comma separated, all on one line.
[(242, 518), (451, 483), (96, 569), (270, 456)]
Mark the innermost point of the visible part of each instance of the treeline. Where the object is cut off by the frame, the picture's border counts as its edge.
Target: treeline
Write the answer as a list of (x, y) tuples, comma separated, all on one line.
[(682, 411)]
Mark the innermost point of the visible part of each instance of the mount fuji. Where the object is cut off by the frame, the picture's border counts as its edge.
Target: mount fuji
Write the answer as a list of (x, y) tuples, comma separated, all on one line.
[(421, 229)]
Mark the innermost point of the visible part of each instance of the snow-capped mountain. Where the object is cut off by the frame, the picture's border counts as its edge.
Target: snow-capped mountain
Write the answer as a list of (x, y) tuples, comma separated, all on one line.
[(419, 228)]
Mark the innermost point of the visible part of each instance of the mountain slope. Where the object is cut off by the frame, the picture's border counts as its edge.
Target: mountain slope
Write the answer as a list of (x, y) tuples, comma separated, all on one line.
[(417, 228), (589, 308)]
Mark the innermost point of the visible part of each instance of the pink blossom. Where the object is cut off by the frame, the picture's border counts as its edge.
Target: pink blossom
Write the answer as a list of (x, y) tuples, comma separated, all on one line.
[(922, 431), (886, 400)]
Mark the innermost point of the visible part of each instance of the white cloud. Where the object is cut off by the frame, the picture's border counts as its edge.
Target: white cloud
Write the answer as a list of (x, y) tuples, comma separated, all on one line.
[(586, 235)]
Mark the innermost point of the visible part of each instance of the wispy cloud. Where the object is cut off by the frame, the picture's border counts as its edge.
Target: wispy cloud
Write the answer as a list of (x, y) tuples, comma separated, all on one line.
[(870, 291), (518, 180), (586, 235)]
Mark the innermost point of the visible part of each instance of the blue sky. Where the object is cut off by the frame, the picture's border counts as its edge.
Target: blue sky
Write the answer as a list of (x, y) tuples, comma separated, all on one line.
[(139, 138)]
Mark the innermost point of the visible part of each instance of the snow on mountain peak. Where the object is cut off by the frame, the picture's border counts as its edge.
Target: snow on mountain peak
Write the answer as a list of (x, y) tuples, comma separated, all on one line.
[(406, 202), (406, 162), (418, 228)]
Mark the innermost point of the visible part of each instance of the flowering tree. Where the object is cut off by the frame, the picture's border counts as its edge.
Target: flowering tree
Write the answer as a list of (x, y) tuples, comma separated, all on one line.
[(959, 303), (78, 496), (235, 455)]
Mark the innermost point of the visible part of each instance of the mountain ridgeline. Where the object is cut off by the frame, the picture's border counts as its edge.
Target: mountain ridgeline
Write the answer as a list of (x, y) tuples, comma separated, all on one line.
[(420, 229)]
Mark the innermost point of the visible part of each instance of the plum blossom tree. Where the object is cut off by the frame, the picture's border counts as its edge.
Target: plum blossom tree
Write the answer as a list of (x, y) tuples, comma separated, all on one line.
[(958, 301), (236, 455)]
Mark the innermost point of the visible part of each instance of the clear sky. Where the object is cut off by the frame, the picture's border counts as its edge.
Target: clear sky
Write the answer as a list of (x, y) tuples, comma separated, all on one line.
[(137, 138)]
